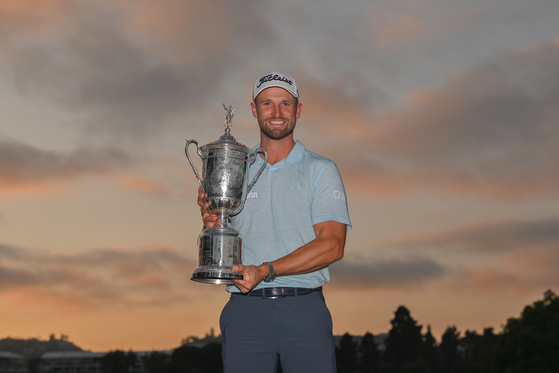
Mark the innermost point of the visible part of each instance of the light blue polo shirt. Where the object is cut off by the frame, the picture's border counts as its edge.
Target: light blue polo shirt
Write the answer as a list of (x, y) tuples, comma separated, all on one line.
[(282, 207)]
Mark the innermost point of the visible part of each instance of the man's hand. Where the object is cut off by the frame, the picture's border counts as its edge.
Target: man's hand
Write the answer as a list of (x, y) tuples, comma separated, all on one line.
[(209, 219), (253, 275)]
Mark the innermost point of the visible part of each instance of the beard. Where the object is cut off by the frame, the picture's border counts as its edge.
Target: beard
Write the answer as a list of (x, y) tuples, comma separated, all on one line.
[(279, 133)]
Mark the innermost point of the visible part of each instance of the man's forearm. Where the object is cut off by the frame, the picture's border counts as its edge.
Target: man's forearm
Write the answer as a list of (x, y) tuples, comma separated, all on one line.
[(327, 248)]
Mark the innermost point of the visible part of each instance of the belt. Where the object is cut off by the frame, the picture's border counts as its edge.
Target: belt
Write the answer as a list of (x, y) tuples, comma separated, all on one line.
[(274, 293)]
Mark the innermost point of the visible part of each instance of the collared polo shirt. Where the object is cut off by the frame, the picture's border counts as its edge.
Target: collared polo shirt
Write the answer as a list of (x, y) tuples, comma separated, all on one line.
[(282, 207)]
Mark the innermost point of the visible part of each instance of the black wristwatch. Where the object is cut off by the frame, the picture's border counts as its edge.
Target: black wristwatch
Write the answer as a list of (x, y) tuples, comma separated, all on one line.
[(272, 273)]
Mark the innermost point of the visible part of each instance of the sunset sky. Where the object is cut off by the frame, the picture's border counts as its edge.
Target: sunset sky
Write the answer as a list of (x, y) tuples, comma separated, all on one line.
[(442, 116)]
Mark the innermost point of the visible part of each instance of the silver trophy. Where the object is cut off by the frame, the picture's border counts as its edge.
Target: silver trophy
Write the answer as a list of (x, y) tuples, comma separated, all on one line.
[(225, 179)]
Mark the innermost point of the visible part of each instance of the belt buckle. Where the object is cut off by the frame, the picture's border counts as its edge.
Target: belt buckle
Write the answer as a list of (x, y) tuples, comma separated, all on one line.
[(275, 295)]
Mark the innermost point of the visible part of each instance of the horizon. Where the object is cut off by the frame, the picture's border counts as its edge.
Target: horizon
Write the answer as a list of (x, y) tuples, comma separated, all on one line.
[(193, 339), (441, 116)]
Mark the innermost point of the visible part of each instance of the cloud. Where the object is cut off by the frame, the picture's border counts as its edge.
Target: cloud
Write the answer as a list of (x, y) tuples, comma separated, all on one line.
[(490, 237), (518, 256), (489, 130), (129, 69), (142, 185), (397, 29), (509, 275), (151, 276), (404, 273), (23, 167)]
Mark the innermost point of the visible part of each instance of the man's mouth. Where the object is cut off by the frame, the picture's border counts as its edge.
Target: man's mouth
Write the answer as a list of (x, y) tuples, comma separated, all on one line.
[(277, 122)]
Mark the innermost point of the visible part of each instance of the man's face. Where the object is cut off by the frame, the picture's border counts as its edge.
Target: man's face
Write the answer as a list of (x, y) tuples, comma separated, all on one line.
[(277, 112)]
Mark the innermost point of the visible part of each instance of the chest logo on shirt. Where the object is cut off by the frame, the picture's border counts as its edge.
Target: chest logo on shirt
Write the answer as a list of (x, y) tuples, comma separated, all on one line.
[(338, 195), (252, 195)]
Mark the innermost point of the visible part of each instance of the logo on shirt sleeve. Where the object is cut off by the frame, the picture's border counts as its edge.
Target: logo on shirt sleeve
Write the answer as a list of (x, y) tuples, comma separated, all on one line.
[(338, 195)]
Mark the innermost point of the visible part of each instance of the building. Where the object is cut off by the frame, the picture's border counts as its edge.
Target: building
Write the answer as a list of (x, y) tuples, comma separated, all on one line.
[(71, 362), (12, 363), (86, 361)]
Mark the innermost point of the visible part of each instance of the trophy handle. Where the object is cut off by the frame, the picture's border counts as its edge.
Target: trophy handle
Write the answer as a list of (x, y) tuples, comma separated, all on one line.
[(252, 158), (188, 142)]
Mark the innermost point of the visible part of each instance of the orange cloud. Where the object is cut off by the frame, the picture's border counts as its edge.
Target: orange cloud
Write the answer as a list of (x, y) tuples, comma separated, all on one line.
[(39, 17), (177, 25), (150, 276), (398, 29), (142, 185), (13, 187)]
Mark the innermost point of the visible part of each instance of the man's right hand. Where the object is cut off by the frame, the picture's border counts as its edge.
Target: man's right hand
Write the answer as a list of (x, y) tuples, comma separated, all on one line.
[(209, 219)]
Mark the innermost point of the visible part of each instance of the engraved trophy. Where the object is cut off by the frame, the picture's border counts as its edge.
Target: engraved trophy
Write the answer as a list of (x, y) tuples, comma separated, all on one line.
[(225, 173)]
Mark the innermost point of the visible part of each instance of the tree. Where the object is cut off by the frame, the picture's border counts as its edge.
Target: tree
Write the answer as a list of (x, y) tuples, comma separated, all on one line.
[(418, 366), (118, 361), (157, 362), (369, 356), (404, 343), (471, 342), (346, 354), (188, 359), (449, 347), (430, 352), (529, 343)]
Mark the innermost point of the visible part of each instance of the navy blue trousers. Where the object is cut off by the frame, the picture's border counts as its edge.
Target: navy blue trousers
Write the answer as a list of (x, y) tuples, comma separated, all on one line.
[(297, 330)]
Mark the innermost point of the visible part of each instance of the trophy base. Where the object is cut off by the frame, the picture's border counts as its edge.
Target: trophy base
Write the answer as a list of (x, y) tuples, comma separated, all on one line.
[(219, 250), (216, 276)]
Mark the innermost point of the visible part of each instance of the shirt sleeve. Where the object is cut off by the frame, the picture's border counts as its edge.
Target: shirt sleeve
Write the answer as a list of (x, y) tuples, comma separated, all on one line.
[(329, 198)]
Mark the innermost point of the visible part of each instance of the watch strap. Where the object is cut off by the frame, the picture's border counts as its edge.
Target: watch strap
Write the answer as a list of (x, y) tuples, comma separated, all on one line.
[(272, 272)]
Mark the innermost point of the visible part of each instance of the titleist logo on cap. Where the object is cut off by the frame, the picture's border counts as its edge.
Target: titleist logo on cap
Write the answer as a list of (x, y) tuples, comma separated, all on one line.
[(275, 79), (270, 77)]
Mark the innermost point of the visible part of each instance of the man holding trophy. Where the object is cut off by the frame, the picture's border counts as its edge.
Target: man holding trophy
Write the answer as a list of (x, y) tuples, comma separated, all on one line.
[(293, 226)]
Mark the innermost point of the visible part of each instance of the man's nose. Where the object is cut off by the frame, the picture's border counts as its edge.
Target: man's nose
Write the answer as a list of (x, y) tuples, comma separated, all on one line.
[(277, 111)]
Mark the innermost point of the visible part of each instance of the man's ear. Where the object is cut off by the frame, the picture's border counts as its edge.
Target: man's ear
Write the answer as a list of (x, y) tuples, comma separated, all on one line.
[(253, 107)]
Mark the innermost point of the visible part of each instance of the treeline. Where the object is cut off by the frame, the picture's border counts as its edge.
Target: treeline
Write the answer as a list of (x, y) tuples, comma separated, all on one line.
[(529, 343), (185, 359)]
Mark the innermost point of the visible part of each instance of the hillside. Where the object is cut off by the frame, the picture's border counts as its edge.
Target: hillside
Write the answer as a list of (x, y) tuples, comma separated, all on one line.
[(33, 348)]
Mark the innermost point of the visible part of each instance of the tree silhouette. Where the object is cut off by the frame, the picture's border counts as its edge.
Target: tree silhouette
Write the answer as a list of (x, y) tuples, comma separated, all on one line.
[(157, 362), (118, 361), (404, 343), (430, 350), (529, 343), (449, 347), (188, 359), (346, 354), (369, 360)]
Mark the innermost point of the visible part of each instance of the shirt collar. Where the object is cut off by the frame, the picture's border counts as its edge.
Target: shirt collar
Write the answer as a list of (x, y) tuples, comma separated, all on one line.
[(295, 155)]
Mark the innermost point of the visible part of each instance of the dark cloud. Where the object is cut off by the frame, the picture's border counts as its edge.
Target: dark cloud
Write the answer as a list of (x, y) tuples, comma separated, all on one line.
[(387, 273), (128, 69), (23, 165), (489, 130), (98, 277), (7, 251), (500, 236)]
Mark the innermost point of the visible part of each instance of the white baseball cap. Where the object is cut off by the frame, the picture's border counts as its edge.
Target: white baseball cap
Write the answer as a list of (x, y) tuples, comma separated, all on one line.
[(275, 79)]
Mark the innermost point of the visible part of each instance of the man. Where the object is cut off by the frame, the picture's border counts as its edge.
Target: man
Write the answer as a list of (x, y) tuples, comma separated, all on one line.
[(293, 225)]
